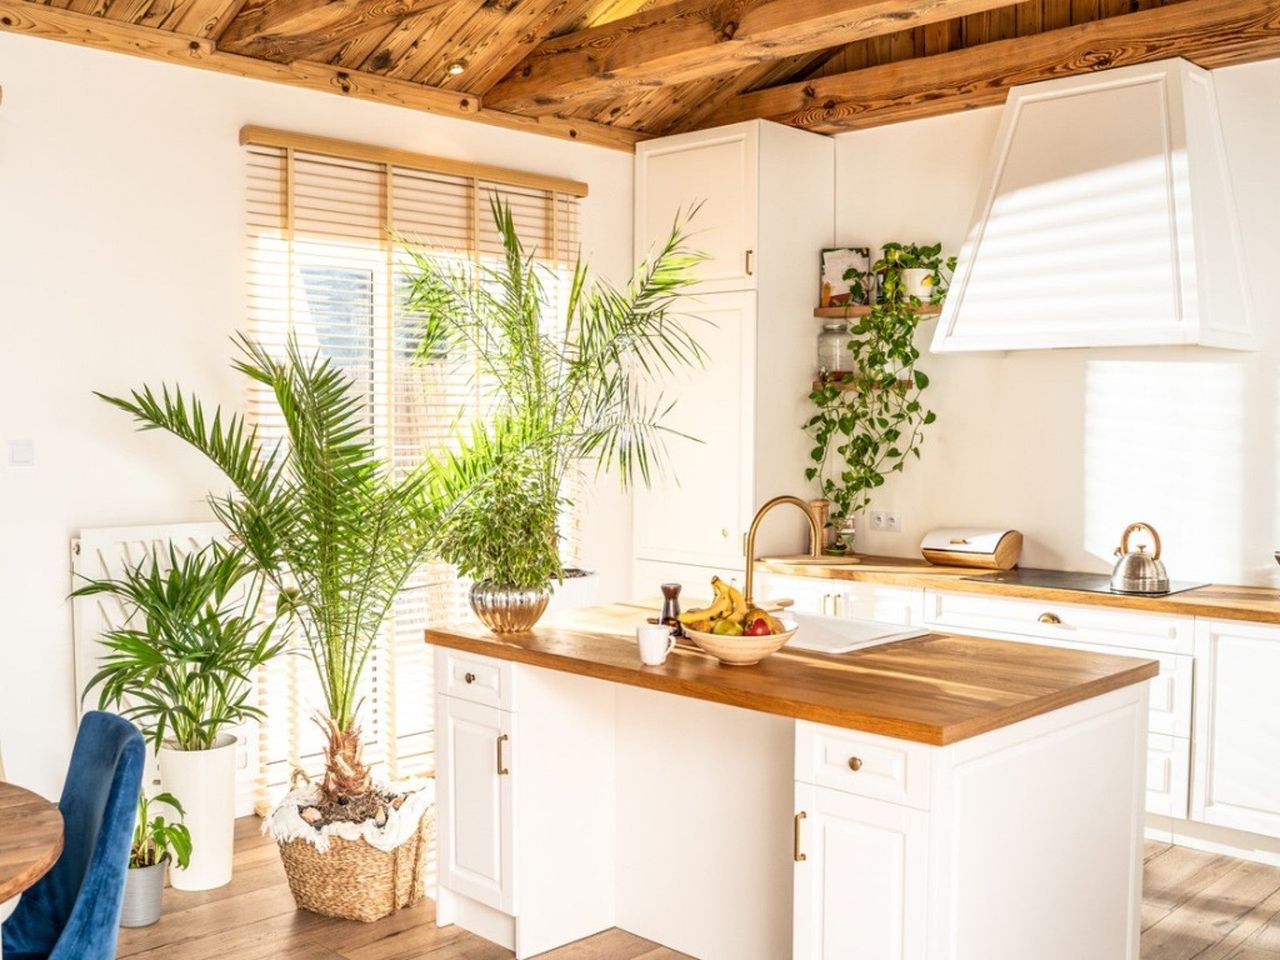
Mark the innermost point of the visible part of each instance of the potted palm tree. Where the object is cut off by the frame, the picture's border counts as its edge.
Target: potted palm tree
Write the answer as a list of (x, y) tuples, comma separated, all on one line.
[(180, 666), (336, 536), (564, 392), (158, 843)]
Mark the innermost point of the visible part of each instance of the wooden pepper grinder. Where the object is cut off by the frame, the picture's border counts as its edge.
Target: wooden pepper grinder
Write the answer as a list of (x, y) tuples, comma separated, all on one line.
[(671, 604)]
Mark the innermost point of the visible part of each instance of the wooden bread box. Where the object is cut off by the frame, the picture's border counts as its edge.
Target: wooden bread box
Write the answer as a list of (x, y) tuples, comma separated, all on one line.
[(979, 547)]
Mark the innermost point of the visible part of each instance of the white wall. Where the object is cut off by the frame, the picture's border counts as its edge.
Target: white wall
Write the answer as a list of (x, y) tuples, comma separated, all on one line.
[(121, 196), (1070, 446)]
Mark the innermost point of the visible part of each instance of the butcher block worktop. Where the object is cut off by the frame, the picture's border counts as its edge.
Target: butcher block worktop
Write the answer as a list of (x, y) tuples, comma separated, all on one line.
[(1217, 600), (937, 689)]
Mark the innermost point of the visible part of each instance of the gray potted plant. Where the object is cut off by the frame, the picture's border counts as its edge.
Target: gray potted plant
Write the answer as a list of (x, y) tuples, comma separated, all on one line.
[(157, 844), (565, 391), (181, 666)]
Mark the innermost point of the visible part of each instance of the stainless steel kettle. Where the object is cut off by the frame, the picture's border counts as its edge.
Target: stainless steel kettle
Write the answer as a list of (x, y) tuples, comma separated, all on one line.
[(1138, 571)]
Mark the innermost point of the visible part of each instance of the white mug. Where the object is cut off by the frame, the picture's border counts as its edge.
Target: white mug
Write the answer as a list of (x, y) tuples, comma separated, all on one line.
[(655, 641)]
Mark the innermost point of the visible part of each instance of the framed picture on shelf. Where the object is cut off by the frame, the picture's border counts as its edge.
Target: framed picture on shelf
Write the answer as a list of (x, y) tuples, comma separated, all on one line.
[(846, 277)]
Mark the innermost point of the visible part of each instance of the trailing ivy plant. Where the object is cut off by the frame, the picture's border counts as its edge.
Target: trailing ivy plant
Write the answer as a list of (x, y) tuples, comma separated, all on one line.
[(869, 423)]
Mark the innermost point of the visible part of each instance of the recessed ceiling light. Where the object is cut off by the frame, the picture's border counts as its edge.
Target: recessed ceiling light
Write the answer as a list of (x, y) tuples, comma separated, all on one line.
[(456, 67)]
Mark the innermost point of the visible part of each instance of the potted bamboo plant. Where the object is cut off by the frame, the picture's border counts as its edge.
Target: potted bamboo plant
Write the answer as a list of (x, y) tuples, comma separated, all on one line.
[(158, 843), (180, 666), (565, 391)]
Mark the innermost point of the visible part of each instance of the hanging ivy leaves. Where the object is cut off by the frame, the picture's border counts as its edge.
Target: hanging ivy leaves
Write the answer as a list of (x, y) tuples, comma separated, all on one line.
[(868, 424)]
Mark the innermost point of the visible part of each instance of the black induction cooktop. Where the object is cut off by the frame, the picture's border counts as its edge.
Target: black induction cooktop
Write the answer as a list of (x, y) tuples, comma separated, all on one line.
[(1070, 580)]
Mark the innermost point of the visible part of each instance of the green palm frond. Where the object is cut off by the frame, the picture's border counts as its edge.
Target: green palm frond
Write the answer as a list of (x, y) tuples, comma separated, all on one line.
[(565, 392), (319, 514)]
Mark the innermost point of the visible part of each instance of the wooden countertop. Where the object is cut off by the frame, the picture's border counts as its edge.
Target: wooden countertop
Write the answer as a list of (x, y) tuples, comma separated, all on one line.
[(936, 689), (1221, 601)]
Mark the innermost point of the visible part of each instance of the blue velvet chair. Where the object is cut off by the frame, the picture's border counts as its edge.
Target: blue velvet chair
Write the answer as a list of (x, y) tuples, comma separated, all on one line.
[(72, 913)]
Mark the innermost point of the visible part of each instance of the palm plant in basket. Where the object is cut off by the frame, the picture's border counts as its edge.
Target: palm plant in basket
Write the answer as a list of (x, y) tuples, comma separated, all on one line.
[(337, 536), (563, 390)]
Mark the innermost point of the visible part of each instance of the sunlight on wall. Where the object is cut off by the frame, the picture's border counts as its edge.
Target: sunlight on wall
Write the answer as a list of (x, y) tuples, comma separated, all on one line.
[(1164, 443)]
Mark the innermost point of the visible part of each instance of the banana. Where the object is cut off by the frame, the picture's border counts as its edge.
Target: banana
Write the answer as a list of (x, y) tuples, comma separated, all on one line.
[(719, 608), (737, 604)]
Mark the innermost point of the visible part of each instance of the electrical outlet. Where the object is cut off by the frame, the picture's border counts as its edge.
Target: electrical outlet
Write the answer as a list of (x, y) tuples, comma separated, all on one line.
[(892, 521), (877, 520)]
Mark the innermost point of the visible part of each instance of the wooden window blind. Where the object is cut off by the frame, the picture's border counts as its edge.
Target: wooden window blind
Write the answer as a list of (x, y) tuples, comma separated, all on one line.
[(323, 266)]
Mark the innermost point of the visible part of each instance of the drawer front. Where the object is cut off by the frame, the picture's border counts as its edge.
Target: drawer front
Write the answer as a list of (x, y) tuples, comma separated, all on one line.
[(1168, 775), (474, 678), (1050, 620), (863, 764)]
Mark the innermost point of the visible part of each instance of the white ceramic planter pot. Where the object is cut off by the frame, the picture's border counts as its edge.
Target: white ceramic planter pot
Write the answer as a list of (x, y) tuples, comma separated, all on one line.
[(916, 283), (204, 782)]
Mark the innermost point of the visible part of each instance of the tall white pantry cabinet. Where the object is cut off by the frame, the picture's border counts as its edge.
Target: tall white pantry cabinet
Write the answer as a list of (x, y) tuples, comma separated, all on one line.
[(764, 199)]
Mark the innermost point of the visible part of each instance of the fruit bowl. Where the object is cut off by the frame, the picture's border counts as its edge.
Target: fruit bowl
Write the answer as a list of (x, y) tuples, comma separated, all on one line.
[(740, 651)]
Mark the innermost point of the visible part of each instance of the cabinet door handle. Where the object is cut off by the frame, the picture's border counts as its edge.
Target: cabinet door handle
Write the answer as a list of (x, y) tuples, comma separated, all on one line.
[(795, 850), (469, 677), (1050, 618), (502, 770), (748, 264), (855, 764)]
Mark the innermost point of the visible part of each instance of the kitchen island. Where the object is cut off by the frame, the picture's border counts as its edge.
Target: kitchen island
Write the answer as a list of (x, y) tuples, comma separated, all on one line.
[(940, 797)]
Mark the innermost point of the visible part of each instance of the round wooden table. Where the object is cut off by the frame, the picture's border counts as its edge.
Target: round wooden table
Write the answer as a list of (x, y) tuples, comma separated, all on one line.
[(30, 839)]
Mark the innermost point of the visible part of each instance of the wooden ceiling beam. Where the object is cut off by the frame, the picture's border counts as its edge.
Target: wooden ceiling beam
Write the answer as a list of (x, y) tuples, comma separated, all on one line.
[(289, 30), (694, 39), (37, 20), (1211, 33)]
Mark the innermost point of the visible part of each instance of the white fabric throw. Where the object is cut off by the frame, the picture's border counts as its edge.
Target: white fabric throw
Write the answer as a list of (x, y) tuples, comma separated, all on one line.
[(285, 822)]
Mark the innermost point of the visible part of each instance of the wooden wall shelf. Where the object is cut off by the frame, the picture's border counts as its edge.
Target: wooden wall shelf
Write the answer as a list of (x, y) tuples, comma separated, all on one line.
[(860, 310)]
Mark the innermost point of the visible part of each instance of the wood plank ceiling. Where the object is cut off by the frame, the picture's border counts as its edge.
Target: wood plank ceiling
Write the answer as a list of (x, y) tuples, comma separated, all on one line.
[(615, 71)]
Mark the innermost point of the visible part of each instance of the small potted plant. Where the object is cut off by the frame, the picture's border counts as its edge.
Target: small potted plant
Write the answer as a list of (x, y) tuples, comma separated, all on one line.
[(181, 666), (922, 271), (157, 843)]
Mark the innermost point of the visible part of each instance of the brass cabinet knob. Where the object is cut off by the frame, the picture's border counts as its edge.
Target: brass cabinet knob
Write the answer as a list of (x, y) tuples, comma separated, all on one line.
[(1050, 618), (855, 764), (469, 677), (724, 532)]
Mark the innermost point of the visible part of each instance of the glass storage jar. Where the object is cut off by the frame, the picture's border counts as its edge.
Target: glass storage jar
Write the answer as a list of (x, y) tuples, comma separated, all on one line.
[(834, 358)]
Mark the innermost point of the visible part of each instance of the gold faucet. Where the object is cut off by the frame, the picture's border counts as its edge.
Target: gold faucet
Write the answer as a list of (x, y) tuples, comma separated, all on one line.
[(815, 534)]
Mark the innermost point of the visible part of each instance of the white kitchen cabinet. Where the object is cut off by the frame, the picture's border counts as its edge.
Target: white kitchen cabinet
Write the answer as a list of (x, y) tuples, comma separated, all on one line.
[(476, 746), (718, 169), (524, 848), (698, 513), (845, 598), (1237, 726), (648, 576), (861, 890), (766, 192), (1121, 179)]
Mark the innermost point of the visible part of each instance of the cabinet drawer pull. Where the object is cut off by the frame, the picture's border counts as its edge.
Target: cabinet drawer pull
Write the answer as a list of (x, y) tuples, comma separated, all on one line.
[(750, 267), (1050, 618), (796, 843), (855, 764), (469, 677), (502, 770)]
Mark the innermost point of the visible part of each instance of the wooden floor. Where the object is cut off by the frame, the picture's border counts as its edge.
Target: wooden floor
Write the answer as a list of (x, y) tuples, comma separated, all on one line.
[(1196, 906)]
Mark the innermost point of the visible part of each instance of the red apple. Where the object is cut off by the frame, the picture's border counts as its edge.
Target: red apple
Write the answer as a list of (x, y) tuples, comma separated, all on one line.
[(759, 628)]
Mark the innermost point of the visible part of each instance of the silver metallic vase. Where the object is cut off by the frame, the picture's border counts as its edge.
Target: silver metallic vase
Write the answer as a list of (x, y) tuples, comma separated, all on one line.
[(143, 894), (508, 609)]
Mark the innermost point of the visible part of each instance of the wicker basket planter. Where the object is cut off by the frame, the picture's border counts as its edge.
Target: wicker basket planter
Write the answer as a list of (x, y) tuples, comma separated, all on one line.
[(348, 876)]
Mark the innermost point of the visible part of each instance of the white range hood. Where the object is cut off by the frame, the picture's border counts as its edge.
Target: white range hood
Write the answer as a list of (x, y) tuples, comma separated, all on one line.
[(1106, 218)]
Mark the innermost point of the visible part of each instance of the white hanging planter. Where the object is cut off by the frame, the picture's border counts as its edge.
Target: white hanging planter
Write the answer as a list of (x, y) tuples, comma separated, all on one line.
[(204, 782)]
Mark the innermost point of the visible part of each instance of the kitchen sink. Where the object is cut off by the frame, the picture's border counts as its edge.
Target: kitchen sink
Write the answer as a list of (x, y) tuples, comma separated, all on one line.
[(844, 635)]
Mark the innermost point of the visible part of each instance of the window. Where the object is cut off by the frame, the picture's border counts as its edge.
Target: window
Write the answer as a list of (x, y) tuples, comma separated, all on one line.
[(323, 265)]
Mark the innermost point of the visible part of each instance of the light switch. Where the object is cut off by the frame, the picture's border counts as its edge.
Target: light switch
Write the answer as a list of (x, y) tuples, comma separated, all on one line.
[(22, 453)]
